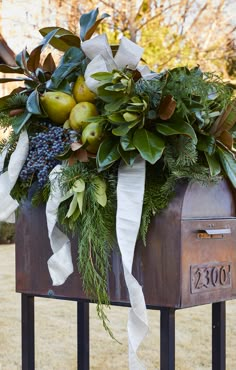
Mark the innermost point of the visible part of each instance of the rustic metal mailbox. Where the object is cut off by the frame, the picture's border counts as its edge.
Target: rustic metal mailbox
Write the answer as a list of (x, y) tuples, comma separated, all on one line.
[(189, 260)]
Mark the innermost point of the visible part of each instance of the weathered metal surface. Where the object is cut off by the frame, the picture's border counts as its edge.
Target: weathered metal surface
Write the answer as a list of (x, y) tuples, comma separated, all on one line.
[(178, 268)]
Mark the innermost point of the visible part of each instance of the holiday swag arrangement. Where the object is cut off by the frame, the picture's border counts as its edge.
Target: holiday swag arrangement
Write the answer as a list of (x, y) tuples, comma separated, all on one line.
[(103, 141)]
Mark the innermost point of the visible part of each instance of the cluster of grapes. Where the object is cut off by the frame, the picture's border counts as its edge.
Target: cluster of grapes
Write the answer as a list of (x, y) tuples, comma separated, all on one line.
[(44, 147)]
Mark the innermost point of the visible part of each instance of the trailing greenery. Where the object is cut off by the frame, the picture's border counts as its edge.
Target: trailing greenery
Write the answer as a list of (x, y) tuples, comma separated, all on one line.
[(96, 230)]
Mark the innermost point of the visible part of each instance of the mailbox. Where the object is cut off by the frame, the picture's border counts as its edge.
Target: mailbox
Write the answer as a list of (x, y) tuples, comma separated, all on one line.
[(190, 257)]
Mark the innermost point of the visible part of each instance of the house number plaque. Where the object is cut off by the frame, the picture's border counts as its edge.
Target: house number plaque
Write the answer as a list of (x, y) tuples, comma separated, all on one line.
[(208, 277)]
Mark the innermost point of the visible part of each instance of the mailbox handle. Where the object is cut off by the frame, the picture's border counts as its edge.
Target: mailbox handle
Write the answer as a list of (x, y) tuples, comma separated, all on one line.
[(217, 231), (213, 233)]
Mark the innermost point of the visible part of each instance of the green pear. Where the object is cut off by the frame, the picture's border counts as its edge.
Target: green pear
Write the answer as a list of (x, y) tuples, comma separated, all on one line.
[(80, 113), (81, 91), (57, 105), (92, 135)]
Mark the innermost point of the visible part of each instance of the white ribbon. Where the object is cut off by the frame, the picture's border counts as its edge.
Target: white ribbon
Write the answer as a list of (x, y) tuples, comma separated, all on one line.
[(8, 205), (130, 192), (99, 51), (60, 264)]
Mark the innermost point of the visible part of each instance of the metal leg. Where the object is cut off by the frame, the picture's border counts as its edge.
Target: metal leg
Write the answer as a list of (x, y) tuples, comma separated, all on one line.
[(218, 336), (83, 335), (167, 327), (27, 331)]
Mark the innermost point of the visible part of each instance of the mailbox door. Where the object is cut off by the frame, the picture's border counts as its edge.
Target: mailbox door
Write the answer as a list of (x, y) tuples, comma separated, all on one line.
[(208, 261)]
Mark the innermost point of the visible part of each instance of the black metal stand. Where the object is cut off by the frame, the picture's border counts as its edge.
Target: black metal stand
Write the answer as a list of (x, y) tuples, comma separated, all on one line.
[(218, 336), (167, 335), (167, 339), (83, 335), (27, 331)]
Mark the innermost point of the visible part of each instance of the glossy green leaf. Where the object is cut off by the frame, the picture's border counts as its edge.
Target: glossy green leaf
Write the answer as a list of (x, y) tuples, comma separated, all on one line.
[(149, 145), (176, 128), (116, 118), (32, 103), (206, 144), (121, 130), (214, 164), (126, 142), (68, 64), (228, 163), (107, 153), (128, 156), (4, 68), (19, 121), (63, 39)]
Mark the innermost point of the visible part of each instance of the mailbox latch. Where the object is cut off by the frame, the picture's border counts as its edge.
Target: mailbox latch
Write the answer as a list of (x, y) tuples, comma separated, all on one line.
[(213, 233)]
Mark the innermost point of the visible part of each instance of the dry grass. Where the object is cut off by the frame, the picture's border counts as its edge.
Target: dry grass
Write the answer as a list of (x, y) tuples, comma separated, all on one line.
[(56, 333)]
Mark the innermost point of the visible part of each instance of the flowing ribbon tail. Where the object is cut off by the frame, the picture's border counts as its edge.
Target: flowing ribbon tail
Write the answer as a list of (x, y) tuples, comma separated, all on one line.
[(8, 205), (130, 192), (60, 264)]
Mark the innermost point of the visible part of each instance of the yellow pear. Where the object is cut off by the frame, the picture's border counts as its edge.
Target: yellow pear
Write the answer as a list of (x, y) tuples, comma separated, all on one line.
[(81, 91), (57, 105), (80, 113), (92, 135)]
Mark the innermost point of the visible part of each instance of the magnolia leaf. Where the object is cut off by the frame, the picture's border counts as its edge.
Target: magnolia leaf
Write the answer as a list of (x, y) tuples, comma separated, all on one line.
[(229, 164), (167, 107), (214, 164), (22, 58), (12, 79), (63, 39), (121, 130), (91, 31), (149, 145), (89, 23), (80, 199), (34, 57), (32, 103), (115, 118), (206, 144), (175, 128), (225, 121), (4, 68), (126, 142), (72, 207), (107, 153), (100, 191), (226, 139), (68, 64), (19, 121), (78, 186), (49, 64), (128, 156)]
